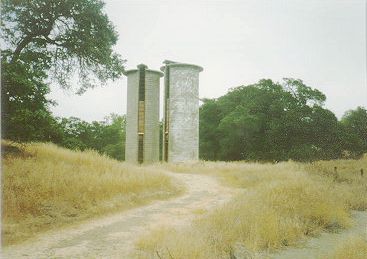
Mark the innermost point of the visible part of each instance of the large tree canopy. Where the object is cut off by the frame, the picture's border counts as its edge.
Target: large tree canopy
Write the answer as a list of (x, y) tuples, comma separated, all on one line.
[(272, 121), (354, 123), (51, 40), (62, 37)]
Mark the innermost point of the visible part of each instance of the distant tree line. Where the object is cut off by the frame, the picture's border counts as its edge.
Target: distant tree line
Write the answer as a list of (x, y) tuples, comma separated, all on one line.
[(269, 121), (107, 137)]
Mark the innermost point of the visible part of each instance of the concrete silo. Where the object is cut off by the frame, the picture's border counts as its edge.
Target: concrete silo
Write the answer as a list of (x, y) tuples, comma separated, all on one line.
[(181, 112), (142, 115)]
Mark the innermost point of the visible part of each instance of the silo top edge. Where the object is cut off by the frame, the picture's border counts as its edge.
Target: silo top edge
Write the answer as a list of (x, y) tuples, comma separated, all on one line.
[(146, 70), (182, 65)]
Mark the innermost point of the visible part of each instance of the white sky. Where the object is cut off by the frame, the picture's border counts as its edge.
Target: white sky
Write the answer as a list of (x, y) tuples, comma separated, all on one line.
[(237, 42)]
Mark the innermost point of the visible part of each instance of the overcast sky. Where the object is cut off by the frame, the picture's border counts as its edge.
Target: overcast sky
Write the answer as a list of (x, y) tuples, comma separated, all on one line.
[(237, 42)]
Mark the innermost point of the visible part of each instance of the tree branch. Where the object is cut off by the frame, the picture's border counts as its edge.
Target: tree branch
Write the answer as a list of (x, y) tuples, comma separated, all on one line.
[(28, 39), (22, 44), (51, 41)]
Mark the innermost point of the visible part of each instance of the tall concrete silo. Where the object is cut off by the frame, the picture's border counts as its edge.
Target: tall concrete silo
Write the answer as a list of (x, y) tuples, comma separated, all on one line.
[(142, 115), (181, 112)]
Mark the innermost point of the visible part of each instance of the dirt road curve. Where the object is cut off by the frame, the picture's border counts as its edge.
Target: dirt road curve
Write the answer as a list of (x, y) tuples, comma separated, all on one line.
[(114, 236)]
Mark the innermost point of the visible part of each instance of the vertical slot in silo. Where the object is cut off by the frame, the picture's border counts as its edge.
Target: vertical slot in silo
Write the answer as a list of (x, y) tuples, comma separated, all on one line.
[(181, 112), (165, 116), (142, 115)]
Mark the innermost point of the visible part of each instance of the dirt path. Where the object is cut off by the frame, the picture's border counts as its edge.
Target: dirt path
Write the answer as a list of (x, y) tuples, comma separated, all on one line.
[(114, 236), (321, 246)]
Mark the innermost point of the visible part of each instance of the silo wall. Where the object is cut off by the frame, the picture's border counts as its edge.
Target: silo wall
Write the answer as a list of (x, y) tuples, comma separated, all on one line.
[(142, 115), (131, 143), (182, 112), (151, 136)]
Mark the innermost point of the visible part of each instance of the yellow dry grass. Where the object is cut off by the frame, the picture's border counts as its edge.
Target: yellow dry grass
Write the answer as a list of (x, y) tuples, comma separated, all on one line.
[(45, 186), (280, 205), (354, 248)]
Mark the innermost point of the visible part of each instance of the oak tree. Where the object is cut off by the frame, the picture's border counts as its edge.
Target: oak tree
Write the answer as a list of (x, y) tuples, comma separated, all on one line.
[(47, 41)]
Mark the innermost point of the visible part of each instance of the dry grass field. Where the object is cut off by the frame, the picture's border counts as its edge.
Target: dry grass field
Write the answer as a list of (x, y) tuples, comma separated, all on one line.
[(280, 205), (354, 248), (45, 186), (277, 205)]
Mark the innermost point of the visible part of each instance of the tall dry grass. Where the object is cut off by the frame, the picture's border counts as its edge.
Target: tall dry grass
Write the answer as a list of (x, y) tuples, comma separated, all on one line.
[(346, 178), (354, 248), (281, 204), (45, 186)]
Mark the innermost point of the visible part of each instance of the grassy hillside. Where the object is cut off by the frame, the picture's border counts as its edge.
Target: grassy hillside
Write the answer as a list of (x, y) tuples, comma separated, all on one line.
[(278, 206), (45, 186)]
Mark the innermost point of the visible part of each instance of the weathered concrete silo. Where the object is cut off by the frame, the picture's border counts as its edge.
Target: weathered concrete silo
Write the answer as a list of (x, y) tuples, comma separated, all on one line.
[(181, 112), (142, 115)]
